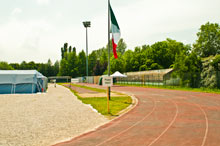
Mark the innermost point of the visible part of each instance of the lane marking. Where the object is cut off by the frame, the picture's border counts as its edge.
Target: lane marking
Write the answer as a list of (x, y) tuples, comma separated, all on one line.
[(204, 113), (206, 119), (207, 124), (171, 123), (130, 126)]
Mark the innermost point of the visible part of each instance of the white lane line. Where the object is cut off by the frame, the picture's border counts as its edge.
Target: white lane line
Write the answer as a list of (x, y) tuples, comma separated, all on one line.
[(171, 123), (130, 126), (206, 118), (206, 121), (207, 125)]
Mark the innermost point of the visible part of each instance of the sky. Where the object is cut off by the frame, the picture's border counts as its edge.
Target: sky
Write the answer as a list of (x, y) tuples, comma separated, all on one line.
[(35, 30)]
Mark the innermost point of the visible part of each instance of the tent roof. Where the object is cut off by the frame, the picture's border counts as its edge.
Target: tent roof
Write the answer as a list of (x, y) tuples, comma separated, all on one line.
[(18, 71), (118, 74), (21, 72)]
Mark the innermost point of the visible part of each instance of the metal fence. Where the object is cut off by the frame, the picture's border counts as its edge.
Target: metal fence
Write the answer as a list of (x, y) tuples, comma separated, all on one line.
[(195, 80), (154, 79)]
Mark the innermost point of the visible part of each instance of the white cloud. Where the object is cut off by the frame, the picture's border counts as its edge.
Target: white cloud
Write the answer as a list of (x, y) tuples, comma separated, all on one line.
[(22, 39), (40, 36), (43, 2), (150, 21), (16, 11)]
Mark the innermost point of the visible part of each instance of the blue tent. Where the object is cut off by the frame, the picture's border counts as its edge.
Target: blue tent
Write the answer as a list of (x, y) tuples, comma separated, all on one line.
[(22, 81)]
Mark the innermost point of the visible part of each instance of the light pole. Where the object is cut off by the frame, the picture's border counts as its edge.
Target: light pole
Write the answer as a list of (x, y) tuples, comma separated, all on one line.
[(87, 24)]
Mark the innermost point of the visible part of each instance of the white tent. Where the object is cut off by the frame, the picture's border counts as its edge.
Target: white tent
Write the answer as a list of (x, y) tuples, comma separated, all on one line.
[(118, 74)]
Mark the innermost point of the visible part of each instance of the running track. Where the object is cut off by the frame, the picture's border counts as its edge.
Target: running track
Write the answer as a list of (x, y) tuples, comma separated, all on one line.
[(161, 118)]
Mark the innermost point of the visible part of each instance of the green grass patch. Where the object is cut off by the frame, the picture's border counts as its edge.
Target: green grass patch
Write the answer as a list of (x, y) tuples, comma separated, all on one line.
[(89, 88), (206, 90), (116, 104)]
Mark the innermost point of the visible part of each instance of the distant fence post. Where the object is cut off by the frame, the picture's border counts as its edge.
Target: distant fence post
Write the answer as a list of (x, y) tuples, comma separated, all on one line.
[(158, 79)]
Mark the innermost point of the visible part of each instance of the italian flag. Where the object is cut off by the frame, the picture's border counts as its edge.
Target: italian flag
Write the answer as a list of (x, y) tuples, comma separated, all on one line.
[(115, 30)]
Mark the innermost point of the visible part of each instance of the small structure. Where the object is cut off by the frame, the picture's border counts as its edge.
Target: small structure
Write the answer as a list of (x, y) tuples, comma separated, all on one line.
[(150, 77), (22, 81), (60, 79), (117, 74)]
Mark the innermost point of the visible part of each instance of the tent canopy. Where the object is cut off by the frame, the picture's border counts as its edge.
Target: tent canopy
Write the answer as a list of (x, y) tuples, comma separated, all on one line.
[(118, 74), (21, 81), (19, 76)]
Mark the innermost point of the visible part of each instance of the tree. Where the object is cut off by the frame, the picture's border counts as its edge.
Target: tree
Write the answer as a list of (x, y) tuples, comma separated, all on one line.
[(70, 49), (97, 69), (62, 53), (65, 53), (15, 65), (42, 69), (31, 65), (121, 46), (117, 64), (92, 60), (23, 65), (128, 60), (63, 68), (56, 68), (72, 62), (82, 63), (208, 42), (49, 68), (188, 68), (5, 66)]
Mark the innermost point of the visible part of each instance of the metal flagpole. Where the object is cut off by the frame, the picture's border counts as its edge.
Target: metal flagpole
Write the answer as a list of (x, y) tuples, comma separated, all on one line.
[(109, 89)]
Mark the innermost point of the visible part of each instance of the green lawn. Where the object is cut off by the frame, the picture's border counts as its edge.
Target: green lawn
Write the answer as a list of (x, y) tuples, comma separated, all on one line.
[(116, 104)]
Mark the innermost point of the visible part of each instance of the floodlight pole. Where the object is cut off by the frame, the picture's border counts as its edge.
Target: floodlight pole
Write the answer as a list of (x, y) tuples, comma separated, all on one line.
[(87, 24)]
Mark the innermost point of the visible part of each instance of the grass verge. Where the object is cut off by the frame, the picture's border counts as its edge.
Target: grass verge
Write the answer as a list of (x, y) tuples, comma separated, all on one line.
[(89, 88), (116, 104), (206, 90)]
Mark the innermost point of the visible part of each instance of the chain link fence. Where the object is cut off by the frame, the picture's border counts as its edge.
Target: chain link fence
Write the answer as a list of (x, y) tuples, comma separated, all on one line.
[(195, 80)]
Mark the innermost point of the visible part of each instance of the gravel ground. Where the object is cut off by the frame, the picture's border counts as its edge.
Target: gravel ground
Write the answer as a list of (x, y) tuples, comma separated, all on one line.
[(44, 119)]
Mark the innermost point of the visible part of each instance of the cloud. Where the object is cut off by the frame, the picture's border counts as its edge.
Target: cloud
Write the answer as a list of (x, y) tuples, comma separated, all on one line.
[(22, 39), (147, 21), (43, 2), (16, 11), (39, 36)]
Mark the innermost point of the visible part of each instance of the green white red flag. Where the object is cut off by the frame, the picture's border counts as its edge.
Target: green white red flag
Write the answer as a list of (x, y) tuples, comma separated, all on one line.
[(115, 30)]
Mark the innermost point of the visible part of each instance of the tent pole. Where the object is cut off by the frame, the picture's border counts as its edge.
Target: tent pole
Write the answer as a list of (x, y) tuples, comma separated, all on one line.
[(12, 88)]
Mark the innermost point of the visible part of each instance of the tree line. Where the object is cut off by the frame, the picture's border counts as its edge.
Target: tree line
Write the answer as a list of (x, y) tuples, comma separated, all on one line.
[(183, 58), (160, 55), (47, 69)]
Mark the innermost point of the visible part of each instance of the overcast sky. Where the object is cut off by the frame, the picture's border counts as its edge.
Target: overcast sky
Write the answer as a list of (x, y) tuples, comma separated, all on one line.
[(35, 30)]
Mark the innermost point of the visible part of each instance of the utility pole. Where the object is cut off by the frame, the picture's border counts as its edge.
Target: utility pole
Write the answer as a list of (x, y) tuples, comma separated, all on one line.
[(87, 24)]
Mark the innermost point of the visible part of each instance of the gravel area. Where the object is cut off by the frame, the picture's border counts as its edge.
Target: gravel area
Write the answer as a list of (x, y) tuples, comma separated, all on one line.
[(45, 119)]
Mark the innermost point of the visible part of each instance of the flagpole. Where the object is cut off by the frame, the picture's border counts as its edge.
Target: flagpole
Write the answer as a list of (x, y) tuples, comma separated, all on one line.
[(108, 39), (109, 89)]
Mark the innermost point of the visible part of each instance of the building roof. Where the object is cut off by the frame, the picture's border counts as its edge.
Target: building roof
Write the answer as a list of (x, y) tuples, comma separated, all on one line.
[(150, 72)]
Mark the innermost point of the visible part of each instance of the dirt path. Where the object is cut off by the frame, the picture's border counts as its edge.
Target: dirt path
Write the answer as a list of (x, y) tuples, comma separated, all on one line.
[(86, 93), (81, 90), (161, 118)]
